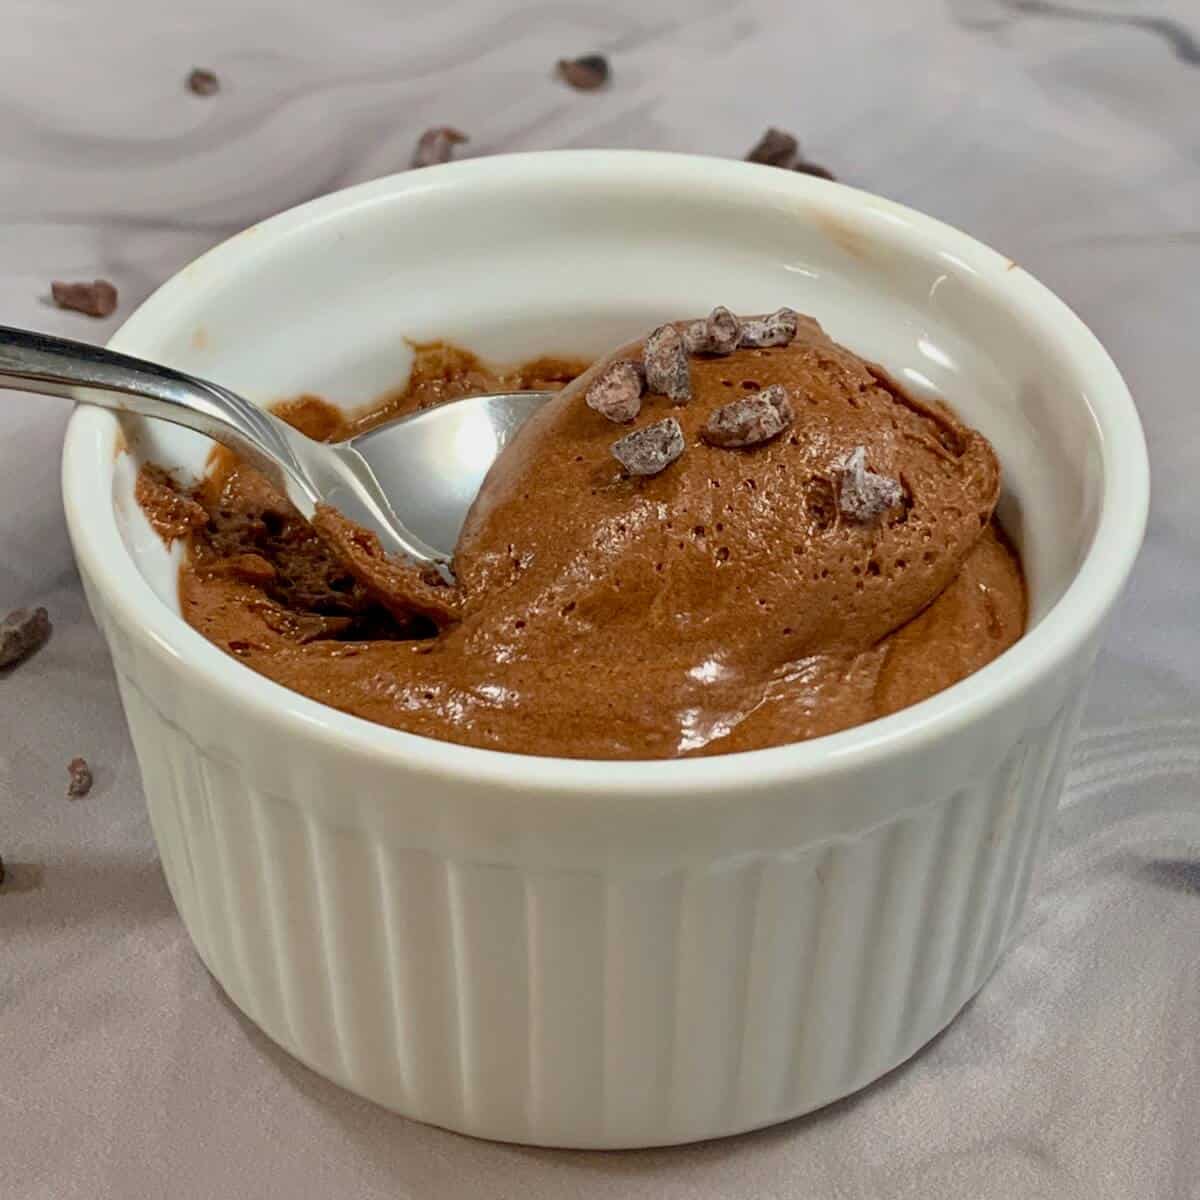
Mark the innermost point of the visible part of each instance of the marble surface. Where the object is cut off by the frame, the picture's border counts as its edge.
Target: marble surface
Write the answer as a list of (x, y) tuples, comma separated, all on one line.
[(1063, 134)]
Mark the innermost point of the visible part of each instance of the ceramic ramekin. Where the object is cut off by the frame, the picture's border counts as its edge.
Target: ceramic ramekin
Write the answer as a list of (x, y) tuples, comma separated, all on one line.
[(608, 954)]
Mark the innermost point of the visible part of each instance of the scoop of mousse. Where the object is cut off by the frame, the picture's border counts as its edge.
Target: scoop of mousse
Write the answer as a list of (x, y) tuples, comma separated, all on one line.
[(850, 514)]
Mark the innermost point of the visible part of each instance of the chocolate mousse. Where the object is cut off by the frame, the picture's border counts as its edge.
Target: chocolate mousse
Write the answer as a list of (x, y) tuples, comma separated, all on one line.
[(735, 534)]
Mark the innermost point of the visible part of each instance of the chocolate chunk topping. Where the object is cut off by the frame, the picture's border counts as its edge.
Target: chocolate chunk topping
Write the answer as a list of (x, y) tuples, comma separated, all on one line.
[(864, 495), (80, 782), (203, 82), (650, 450), (617, 393), (695, 337), (779, 329), (21, 633), (776, 148), (718, 333), (751, 420), (666, 362), (585, 73), (97, 299), (436, 145)]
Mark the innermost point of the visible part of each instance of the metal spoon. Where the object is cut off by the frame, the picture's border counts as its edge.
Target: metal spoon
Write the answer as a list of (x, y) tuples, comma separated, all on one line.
[(428, 466)]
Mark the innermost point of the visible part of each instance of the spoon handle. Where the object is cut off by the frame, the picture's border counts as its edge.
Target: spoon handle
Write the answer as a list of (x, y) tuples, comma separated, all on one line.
[(37, 362)]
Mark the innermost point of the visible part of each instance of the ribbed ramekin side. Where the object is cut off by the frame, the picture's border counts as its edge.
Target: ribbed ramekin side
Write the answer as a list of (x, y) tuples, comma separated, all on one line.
[(611, 1008)]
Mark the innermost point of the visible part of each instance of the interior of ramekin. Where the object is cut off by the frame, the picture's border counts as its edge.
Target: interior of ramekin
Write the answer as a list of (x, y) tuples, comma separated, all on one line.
[(569, 253)]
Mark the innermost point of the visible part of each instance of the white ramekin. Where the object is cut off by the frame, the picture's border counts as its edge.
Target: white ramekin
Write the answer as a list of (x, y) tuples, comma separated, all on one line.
[(608, 954)]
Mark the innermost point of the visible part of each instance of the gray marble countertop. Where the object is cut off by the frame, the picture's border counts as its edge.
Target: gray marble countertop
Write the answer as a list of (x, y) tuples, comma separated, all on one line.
[(1065, 134)]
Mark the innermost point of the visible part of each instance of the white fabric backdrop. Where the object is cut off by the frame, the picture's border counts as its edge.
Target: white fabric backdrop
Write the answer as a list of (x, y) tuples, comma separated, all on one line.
[(1067, 136)]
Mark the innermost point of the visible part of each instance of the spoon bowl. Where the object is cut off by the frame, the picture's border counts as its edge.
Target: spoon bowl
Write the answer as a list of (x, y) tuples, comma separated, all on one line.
[(428, 466), (409, 481)]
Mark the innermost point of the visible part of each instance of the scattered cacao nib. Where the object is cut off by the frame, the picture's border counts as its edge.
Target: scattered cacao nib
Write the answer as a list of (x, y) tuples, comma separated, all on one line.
[(751, 420), (718, 333), (776, 148), (585, 73), (22, 632), (436, 145), (617, 392), (2, 872), (203, 82), (665, 359), (96, 299), (778, 329), (650, 450), (80, 778), (811, 168), (864, 495)]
